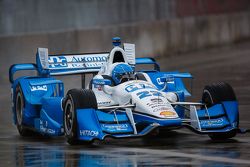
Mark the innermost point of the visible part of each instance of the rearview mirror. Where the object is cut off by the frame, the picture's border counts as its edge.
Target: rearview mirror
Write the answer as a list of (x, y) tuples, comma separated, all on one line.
[(167, 78), (171, 77)]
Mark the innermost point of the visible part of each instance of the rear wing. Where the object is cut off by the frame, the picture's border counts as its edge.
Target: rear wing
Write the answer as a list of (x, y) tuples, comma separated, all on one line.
[(79, 63), (70, 64), (50, 65)]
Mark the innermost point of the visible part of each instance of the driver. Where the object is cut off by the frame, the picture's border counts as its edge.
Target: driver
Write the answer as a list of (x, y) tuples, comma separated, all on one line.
[(122, 72)]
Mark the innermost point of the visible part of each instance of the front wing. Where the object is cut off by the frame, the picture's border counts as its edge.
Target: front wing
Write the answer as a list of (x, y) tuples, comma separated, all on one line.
[(123, 123), (223, 117)]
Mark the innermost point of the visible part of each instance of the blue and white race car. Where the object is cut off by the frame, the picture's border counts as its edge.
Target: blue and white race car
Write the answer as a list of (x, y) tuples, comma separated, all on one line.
[(119, 102)]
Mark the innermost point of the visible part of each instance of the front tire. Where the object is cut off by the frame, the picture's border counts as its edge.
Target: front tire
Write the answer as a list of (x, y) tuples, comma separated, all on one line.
[(76, 99), (217, 92), (19, 111), (214, 94)]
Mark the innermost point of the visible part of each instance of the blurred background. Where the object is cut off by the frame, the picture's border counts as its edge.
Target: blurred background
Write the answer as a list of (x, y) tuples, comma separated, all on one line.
[(159, 28)]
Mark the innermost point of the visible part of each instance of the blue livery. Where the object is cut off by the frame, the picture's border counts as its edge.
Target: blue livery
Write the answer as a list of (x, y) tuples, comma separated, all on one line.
[(39, 104)]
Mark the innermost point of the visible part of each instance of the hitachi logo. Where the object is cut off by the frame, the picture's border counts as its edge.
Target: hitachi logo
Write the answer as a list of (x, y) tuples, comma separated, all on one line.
[(88, 133)]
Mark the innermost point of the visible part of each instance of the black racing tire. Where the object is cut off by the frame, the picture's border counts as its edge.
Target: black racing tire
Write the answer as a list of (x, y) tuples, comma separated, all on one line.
[(76, 99), (214, 94), (19, 106), (223, 135), (217, 92)]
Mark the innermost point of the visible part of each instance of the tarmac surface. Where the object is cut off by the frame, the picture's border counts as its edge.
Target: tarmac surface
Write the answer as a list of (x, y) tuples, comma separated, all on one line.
[(176, 148)]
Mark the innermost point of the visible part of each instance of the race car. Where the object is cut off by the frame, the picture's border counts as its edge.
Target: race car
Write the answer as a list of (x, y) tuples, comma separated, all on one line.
[(119, 101)]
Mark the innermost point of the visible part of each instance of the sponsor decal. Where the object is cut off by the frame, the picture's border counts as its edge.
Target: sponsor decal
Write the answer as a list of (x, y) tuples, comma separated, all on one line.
[(91, 133), (159, 81), (120, 127), (43, 128), (167, 113), (161, 109), (154, 105), (57, 61), (104, 102), (144, 94), (210, 123), (99, 82), (168, 79), (76, 61), (134, 87), (40, 87), (85, 59), (157, 100)]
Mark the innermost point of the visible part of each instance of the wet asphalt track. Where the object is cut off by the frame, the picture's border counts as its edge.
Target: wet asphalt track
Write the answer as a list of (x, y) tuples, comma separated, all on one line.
[(180, 148)]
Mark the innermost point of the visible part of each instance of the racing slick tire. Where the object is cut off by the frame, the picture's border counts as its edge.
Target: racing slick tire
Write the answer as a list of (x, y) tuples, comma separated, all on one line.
[(76, 99), (214, 94), (19, 106)]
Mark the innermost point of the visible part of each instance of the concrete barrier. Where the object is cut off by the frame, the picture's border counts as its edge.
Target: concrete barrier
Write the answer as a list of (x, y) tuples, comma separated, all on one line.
[(154, 38)]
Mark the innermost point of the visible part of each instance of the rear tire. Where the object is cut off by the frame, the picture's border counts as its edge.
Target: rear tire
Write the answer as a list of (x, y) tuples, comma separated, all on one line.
[(76, 99), (19, 111), (214, 94)]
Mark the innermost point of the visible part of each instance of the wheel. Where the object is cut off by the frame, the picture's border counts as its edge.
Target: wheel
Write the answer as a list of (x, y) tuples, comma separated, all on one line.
[(223, 135), (217, 92), (214, 94), (19, 111), (76, 99)]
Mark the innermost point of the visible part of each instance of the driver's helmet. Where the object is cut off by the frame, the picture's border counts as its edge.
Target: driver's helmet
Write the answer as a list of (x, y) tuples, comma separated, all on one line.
[(122, 73)]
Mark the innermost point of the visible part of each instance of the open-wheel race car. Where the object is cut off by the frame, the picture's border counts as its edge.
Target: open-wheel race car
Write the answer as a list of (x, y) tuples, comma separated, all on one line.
[(119, 101)]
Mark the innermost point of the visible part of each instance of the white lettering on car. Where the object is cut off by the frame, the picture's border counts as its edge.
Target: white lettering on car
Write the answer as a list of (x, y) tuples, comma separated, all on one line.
[(91, 133), (43, 128), (36, 88)]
